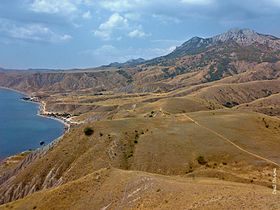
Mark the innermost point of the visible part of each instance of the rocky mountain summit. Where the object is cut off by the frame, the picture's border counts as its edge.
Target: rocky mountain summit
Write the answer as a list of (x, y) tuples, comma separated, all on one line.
[(242, 37), (246, 37), (129, 63)]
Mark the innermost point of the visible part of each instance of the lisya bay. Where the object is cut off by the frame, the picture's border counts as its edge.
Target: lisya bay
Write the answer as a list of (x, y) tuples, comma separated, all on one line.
[(21, 128)]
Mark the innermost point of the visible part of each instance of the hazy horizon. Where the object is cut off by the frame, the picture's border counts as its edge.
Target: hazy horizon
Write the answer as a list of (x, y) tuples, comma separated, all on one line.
[(67, 34)]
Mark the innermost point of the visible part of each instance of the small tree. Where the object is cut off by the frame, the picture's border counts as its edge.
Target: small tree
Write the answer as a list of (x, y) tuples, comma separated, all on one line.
[(88, 131), (201, 160)]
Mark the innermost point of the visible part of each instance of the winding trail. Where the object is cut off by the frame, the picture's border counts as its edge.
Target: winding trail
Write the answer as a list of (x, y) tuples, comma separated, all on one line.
[(232, 143)]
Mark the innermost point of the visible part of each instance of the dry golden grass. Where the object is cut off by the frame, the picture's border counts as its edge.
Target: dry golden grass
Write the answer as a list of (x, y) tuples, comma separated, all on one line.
[(118, 189), (165, 134), (167, 144), (269, 105)]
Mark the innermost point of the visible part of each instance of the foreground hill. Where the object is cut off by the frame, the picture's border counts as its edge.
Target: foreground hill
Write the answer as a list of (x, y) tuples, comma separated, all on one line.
[(118, 189), (198, 144)]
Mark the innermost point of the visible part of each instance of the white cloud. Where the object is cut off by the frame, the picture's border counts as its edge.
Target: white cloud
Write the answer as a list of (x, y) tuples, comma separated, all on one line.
[(119, 5), (38, 33), (133, 16), (119, 24), (106, 35), (68, 8), (166, 11), (197, 2), (32, 32), (115, 22), (87, 15), (137, 33), (105, 49), (54, 6), (166, 19), (109, 53)]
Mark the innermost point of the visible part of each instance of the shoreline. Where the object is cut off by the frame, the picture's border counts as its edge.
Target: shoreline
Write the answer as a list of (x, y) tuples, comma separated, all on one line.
[(41, 113), (14, 90), (42, 108)]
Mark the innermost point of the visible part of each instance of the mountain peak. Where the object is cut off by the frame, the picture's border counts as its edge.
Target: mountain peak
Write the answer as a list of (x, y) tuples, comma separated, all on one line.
[(241, 36), (241, 31), (131, 62)]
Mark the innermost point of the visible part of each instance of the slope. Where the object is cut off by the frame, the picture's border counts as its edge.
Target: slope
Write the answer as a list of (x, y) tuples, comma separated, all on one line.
[(118, 189)]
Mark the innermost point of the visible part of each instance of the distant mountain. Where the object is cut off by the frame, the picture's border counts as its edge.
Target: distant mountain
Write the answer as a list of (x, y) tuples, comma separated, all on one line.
[(220, 54), (241, 37), (129, 63), (246, 37), (243, 52), (29, 70)]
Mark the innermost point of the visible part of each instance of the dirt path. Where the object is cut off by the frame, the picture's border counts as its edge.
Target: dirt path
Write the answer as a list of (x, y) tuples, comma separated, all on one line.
[(232, 143)]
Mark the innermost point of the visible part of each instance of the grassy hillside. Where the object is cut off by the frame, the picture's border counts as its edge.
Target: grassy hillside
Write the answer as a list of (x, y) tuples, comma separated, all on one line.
[(118, 189), (167, 145)]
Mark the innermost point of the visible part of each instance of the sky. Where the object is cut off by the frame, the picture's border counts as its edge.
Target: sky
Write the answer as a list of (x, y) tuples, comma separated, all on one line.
[(66, 34)]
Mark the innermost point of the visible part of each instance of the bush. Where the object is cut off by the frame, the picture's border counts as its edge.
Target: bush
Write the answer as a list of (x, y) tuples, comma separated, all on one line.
[(88, 131), (201, 160)]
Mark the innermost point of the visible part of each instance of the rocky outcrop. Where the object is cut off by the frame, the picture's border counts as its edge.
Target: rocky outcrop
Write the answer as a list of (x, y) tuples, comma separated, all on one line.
[(246, 37)]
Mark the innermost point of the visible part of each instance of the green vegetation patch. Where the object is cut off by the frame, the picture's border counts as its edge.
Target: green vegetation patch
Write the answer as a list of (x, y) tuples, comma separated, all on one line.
[(88, 131), (201, 160)]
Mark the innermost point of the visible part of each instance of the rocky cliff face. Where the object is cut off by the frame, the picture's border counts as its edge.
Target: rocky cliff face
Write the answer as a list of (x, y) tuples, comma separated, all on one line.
[(62, 81), (11, 191), (246, 37)]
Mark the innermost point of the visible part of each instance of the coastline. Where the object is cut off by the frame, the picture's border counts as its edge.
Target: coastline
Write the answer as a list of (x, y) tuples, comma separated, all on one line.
[(42, 108), (18, 91), (42, 113)]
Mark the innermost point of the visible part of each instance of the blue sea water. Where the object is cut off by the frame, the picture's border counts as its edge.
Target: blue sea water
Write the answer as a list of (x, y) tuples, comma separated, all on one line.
[(21, 128)]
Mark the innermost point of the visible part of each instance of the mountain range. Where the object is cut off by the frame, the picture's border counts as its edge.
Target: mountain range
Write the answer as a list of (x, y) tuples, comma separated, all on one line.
[(196, 61)]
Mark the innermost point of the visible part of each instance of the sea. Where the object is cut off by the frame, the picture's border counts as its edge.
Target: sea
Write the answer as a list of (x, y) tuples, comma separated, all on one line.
[(21, 128)]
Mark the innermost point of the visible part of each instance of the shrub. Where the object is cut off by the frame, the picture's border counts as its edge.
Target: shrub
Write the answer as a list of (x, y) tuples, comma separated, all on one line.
[(88, 131), (201, 160)]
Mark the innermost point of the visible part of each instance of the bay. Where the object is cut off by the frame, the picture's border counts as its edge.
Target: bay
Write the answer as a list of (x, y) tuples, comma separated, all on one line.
[(21, 128)]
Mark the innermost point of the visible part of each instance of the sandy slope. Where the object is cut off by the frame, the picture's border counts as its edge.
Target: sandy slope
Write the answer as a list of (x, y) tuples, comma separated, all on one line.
[(118, 189)]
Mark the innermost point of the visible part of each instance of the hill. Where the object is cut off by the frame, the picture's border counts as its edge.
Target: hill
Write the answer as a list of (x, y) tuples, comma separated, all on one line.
[(118, 189), (167, 145)]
